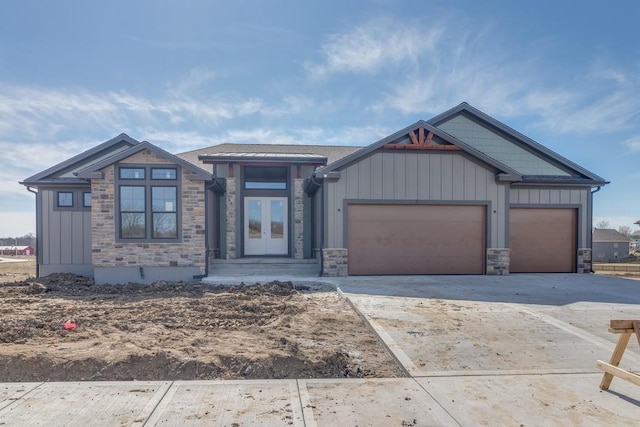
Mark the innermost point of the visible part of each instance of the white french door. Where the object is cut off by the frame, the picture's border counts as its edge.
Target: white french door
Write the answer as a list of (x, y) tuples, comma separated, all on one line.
[(265, 226)]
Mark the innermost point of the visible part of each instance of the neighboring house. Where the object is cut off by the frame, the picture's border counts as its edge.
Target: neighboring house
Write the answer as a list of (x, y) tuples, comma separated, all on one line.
[(609, 245), (635, 239), (16, 250), (459, 194)]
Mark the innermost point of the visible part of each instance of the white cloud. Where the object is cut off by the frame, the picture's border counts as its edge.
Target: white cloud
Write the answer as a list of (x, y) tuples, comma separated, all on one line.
[(373, 45), (633, 143), (195, 79), (31, 113), (439, 67)]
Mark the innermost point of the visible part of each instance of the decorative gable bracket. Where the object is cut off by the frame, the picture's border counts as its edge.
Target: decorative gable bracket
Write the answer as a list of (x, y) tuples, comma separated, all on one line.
[(422, 142)]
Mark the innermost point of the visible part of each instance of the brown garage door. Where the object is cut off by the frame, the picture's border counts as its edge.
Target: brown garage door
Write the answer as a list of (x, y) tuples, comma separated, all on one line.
[(542, 240), (416, 239)]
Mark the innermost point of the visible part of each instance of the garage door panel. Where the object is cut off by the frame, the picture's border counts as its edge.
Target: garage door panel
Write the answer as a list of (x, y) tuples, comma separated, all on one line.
[(542, 240), (416, 239)]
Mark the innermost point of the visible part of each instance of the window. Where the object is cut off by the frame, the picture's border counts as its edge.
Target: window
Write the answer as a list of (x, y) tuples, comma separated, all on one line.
[(132, 212), (71, 200), (615, 244), (265, 178), (132, 173), (163, 202), (65, 199), (148, 204), (163, 173)]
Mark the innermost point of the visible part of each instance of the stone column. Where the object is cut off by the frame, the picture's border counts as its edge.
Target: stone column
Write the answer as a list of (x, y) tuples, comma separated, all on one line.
[(335, 262), (584, 260), (231, 218), (498, 261), (298, 218)]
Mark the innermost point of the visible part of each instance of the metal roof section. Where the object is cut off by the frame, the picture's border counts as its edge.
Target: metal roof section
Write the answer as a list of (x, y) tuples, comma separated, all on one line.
[(601, 235), (404, 137), (264, 157), (94, 171), (331, 152), (507, 145), (64, 173)]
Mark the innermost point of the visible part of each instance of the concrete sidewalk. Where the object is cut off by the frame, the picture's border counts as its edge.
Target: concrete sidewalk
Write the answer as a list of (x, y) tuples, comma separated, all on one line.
[(517, 350), (399, 402)]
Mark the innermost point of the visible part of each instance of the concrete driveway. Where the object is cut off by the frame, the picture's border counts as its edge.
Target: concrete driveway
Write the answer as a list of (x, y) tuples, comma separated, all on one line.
[(512, 350)]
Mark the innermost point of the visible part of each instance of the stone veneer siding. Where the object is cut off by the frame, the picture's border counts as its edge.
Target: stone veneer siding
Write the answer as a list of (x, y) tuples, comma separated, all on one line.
[(298, 218), (335, 262), (106, 252), (584, 260), (231, 219), (498, 261)]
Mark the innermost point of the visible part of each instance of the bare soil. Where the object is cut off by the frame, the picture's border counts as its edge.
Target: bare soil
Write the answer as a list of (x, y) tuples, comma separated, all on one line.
[(179, 330)]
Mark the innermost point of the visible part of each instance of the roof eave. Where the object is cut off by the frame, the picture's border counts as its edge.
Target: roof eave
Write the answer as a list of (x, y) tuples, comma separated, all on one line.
[(123, 137), (420, 123), (210, 159), (465, 107), (94, 171)]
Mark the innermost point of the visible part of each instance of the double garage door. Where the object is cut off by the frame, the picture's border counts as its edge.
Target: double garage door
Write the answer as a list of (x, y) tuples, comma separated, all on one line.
[(416, 239), (451, 239)]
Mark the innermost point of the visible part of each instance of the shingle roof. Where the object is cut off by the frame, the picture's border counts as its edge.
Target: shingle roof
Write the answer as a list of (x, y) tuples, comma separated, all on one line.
[(608, 235), (331, 152)]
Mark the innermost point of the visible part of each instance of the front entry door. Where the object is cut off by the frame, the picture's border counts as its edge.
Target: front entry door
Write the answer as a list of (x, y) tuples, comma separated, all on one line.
[(265, 226)]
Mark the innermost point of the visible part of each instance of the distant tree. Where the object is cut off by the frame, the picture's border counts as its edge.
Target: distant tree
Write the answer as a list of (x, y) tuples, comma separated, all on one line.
[(625, 230), (28, 239), (602, 224)]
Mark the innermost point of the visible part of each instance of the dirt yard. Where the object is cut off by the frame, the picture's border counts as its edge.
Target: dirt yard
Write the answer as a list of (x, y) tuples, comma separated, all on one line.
[(64, 328)]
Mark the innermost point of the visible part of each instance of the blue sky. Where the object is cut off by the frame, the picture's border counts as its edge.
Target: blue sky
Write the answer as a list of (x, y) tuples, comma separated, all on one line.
[(188, 74)]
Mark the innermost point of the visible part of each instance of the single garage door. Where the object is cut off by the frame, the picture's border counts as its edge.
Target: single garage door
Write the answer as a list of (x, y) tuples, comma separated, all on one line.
[(542, 240), (416, 239)]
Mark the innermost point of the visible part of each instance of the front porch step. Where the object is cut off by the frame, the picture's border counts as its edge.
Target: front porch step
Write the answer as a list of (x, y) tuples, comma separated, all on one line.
[(264, 267)]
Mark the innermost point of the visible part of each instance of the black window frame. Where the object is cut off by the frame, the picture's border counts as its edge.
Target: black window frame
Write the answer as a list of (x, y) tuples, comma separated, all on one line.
[(280, 176), (76, 196), (148, 182), (60, 193), (173, 178), (140, 178), (84, 199)]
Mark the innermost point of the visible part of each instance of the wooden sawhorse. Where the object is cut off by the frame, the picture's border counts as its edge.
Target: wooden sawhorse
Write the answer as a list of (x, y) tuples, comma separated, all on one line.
[(625, 328)]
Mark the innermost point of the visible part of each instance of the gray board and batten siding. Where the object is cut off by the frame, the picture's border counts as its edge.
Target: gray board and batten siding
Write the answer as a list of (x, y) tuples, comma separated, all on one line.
[(64, 236), (416, 177)]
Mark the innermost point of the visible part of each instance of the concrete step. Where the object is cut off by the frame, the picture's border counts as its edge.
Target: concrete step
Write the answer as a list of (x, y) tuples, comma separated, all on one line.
[(265, 266)]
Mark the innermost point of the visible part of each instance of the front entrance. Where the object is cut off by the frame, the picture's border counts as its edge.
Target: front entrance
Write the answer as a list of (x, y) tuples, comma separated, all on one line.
[(265, 226)]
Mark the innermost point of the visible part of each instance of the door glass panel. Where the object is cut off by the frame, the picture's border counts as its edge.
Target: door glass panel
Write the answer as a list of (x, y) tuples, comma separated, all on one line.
[(255, 218), (277, 219)]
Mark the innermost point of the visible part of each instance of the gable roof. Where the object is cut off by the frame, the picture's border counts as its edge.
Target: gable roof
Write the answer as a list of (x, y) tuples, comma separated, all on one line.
[(549, 166), (64, 173), (603, 235), (331, 152), (403, 135), (94, 171)]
